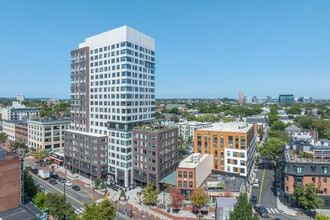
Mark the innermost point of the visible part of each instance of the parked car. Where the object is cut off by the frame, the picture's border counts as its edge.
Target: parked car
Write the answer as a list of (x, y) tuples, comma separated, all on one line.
[(261, 210), (61, 179), (41, 188), (253, 199), (54, 175), (256, 185), (76, 188), (68, 183), (52, 181), (34, 170)]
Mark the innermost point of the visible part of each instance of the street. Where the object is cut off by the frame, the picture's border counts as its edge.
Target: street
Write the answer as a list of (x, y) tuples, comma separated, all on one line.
[(267, 194)]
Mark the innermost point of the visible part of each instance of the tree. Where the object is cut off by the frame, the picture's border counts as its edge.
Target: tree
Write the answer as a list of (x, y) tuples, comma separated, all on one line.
[(102, 211), (199, 197), (272, 149), (30, 188), (58, 206), (298, 193), (3, 137), (261, 132), (18, 144), (277, 125), (176, 197), (242, 209), (279, 134), (39, 154), (40, 200), (310, 200), (149, 195), (321, 217), (97, 183)]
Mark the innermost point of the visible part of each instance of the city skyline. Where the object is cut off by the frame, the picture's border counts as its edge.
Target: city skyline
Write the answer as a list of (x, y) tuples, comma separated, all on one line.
[(204, 50)]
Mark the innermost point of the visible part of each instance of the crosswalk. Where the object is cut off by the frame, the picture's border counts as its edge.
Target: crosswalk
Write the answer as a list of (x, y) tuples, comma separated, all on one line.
[(80, 211), (273, 210)]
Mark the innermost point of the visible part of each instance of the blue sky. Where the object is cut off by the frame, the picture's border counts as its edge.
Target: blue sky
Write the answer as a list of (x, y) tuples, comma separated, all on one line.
[(204, 49)]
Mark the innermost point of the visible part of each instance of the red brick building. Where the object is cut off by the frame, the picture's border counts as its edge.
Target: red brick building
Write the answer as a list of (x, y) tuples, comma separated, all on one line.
[(10, 181)]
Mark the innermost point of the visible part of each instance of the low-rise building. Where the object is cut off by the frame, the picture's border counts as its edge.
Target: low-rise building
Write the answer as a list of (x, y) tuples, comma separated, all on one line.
[(19, 112), (192, 171), (47, 134), (223, 207)]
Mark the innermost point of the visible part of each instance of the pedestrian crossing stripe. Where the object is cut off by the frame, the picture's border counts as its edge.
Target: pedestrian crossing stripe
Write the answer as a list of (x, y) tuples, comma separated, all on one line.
[(272, 210), (80, 210)]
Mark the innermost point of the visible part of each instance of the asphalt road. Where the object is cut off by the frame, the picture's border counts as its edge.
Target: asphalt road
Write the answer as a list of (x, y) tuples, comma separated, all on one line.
[(267, 194)]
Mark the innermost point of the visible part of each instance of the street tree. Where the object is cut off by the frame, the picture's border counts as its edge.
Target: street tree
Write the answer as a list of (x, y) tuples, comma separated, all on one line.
[(97, 183), (30, 188), (149, 195), (58, 206), (39, 154), (199, 197), (18, 145), (176, 197), (101, 211), (279, 134), (277, 125), (272, 149), (310, 200), (3, 137), (298, 193), (40, 200), (243, 209)]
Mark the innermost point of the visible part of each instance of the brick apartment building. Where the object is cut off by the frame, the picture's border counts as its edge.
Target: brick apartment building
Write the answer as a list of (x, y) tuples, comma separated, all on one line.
[(306, 162), (10, 181), (155, 153)]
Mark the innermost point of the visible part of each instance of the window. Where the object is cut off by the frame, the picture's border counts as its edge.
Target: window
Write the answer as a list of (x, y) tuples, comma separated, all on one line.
[(190, 174), (299, 169), (313, 168), (313, 179), (180, 174), (286, 189), (180, 184), (325, 179), (286, 178), (184, 184), (325, 170), (184, 174), (325, 191), (190, 184)]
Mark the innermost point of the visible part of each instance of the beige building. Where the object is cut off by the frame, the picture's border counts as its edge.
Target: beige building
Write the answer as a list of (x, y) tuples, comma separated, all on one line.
[(47, 134)]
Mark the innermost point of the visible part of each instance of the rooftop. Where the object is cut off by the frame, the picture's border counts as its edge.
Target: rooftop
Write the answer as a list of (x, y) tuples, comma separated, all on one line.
[(193, 160), (240, 127), (49, 121)]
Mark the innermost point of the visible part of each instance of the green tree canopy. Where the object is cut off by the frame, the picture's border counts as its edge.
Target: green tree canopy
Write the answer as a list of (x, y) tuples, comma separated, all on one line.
[(3, 137), (58, 207), (40, 200), (199, 197), (39, 154), (149, 195), (310, 200), (30, 188), (277, 126), (272, 149), (18, 144), (280, 135), (101, 211), (242, 209)]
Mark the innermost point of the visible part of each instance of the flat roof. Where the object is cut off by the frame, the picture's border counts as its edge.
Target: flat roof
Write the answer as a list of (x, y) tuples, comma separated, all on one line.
[(193, 160), (86, 133), (240, 127)]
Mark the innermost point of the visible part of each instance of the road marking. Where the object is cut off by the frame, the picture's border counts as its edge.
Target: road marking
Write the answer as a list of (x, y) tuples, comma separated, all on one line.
[(60, 191), (262, 183)]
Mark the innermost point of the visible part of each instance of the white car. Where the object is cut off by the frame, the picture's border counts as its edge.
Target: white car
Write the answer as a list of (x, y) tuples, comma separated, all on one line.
[(68, 183), (256, 185)]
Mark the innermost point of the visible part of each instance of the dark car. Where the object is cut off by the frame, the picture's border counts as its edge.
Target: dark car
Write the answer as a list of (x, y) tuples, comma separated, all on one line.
[(254, 199), (261, 210), (76, 188), (54, 175), (34, 170), (41, 188), (61, 179), (52, 181)]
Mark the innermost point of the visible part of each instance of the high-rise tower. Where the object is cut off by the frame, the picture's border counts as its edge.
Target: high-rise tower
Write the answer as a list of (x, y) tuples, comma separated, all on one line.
[(112, 89)]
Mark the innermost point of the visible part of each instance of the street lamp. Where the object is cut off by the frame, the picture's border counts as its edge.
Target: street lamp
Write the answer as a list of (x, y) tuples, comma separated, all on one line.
[(65, 167)]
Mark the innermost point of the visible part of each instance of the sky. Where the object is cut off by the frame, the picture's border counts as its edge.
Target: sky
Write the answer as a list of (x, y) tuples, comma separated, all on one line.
[(204, 48)]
